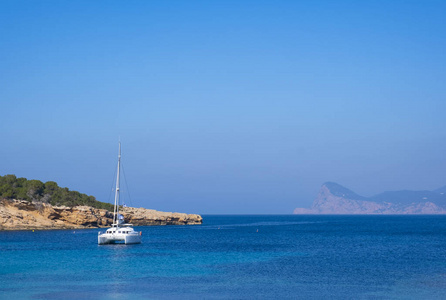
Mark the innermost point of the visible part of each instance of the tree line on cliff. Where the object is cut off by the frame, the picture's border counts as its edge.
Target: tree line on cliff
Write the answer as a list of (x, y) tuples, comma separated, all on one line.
[(21, 188)]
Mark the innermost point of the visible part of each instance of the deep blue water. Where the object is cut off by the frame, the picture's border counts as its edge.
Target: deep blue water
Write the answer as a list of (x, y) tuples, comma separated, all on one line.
[(235, 257)]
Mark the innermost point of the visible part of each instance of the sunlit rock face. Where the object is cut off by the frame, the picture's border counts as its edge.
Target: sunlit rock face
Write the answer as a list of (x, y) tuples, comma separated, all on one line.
[(142, 216), (25, 215), (336, 199)]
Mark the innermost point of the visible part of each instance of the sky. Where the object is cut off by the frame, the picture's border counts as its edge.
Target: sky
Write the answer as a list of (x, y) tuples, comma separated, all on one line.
[(224, 107)]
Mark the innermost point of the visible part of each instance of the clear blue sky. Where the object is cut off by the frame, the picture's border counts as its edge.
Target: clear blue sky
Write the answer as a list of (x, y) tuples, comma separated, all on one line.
[(224, 106)]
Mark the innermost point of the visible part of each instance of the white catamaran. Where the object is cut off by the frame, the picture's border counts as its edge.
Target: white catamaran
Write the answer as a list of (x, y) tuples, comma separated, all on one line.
[(119, 232)]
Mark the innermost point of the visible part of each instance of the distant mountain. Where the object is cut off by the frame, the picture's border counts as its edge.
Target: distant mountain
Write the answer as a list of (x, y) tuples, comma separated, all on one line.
[(340, 191), (336, 199), (409, 197), (441, 190)]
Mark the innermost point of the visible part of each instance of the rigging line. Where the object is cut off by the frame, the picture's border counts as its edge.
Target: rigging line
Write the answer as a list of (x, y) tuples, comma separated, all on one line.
[(112, 185), (126, 185)]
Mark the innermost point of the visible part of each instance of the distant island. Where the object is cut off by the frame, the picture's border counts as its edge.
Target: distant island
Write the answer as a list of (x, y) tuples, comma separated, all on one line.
[(32, 204), (336, 199)]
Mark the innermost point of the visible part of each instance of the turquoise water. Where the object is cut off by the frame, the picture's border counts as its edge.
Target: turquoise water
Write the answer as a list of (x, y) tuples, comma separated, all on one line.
[(235, 257)]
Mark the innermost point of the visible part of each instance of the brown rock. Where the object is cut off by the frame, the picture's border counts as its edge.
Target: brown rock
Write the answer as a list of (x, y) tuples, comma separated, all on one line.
[(25, 215)]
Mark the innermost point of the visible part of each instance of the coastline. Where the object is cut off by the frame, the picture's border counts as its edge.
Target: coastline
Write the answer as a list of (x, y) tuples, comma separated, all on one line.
[(25, 215)]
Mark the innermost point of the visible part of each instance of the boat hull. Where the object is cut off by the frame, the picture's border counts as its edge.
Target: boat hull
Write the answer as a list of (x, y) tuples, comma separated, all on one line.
[(104, 239)]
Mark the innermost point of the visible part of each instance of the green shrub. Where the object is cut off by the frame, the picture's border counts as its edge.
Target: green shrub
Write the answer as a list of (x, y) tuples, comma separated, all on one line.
[(12, 187)]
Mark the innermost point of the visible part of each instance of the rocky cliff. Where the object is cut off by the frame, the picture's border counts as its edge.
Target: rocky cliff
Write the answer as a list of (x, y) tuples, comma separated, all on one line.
[(336, 199), (25, 215)]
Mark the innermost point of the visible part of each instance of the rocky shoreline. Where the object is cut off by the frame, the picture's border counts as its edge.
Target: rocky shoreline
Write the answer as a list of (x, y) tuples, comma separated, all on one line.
[(25, 215)]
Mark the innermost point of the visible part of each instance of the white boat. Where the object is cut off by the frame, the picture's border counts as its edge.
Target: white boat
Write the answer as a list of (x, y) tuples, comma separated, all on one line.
[(120, 232)]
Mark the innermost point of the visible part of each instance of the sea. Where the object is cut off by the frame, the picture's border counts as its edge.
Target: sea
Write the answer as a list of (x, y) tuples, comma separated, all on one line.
[(235, 257)]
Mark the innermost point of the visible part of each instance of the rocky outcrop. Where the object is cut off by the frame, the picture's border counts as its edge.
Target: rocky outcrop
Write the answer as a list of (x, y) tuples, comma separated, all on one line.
[(25, 215), (142, 217), (336, 199)]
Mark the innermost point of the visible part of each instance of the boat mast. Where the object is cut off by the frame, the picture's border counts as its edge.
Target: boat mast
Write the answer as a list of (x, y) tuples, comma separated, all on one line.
[(116, 210)]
